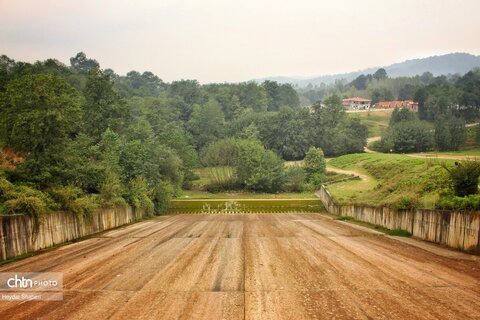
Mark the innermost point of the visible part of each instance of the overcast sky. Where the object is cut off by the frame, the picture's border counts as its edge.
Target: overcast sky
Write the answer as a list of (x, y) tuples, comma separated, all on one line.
[(222, 40)]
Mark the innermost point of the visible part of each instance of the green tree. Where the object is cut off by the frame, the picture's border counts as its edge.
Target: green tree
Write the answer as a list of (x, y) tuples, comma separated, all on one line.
[(257, 168), (315, 166), (39, 114), (450, 133), (380, 74), (81, 63), (206, 124), (464, 177), (103, 108)]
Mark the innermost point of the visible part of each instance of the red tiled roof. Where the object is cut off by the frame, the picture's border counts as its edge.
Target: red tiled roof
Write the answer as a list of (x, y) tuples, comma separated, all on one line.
[(395, 103), (356, 99)]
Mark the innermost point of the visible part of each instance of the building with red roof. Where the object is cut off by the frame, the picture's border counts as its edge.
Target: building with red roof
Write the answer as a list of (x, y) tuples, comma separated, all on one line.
[(409, 104)]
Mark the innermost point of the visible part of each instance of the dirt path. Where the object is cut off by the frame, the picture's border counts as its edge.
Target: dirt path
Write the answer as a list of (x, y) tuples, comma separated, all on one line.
[(362, 176), (370, 140), (272, 266), (443, 156)]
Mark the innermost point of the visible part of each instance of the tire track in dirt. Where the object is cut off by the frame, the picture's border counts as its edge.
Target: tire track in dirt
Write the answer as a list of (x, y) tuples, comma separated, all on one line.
[(270, 266)]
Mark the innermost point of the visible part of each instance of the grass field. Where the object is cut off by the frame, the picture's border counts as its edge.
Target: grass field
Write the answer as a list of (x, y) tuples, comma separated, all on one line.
[(390, 179), (376, 121), (228, 206), (205, 176), (198, 194)]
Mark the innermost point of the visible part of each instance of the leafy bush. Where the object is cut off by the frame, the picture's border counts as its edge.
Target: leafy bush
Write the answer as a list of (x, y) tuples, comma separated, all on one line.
[(407, 202), (30, 205), (84, 207), (71, 198), (315, 165), (451, 202), (7, 190), (65, 195), (162, 196), (406, 136), (295, 178), (464, 177), (111, 190), (139, 195), (219, 153), (257, 168)]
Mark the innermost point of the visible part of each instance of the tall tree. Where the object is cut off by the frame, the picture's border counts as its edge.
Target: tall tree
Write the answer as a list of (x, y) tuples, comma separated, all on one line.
[(38, 115), (103, 108)]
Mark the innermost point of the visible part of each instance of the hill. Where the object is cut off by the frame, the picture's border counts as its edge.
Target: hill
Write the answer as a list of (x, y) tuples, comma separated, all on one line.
[(450, 63)]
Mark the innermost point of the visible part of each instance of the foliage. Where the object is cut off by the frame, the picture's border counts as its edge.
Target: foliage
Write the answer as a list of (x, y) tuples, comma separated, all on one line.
[(139, 195), (72, 199), (162, 196), (406, 136), (334, 132), (450, 133), (30, 205), (219, 153), (257, 168), (222, 179), (38, 116), (464, 176), (315, 166), (452, 202), (295, 179)]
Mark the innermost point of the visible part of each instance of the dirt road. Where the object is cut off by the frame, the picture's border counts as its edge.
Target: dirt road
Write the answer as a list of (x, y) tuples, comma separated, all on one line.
[(272, 266)]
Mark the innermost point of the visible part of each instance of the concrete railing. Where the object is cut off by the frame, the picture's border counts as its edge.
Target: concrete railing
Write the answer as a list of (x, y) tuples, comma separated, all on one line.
[(455, 229), (19, 235)]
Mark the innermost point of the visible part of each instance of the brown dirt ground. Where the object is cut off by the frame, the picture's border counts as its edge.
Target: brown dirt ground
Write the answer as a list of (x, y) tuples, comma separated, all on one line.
[(272, 266)]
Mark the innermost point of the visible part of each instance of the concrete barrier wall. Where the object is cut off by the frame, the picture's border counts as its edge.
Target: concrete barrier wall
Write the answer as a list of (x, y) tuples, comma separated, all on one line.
[(17, 235), (455, 229)]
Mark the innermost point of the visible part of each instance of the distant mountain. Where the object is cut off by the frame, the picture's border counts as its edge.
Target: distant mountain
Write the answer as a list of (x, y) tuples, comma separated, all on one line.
[(450, 63)]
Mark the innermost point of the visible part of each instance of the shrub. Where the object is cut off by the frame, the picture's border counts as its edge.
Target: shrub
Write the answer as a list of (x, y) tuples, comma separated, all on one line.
[(451, 202), (406, 203), (221, 179), (464, 177), (219, 153), (162, 196), (315, 165), (111, 190), (71, 199), (139, 195), (257, 168), (30, 205), (65, 195), (7, 190), (295, 178), (84, 207)]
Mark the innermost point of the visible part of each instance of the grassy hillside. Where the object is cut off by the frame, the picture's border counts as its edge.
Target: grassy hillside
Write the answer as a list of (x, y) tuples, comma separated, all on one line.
[(390, 179), (376, 121)]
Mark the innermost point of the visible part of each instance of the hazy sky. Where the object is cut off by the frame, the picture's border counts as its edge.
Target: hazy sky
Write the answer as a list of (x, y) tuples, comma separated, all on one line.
[(216, 41)]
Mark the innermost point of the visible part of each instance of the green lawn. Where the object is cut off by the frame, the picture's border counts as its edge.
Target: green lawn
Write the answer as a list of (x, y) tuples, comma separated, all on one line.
[(390, 179), (376, 121), (226, 206), (198, 194)]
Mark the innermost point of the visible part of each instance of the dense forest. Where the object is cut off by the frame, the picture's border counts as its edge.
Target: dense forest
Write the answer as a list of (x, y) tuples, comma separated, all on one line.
[(78, 136)]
